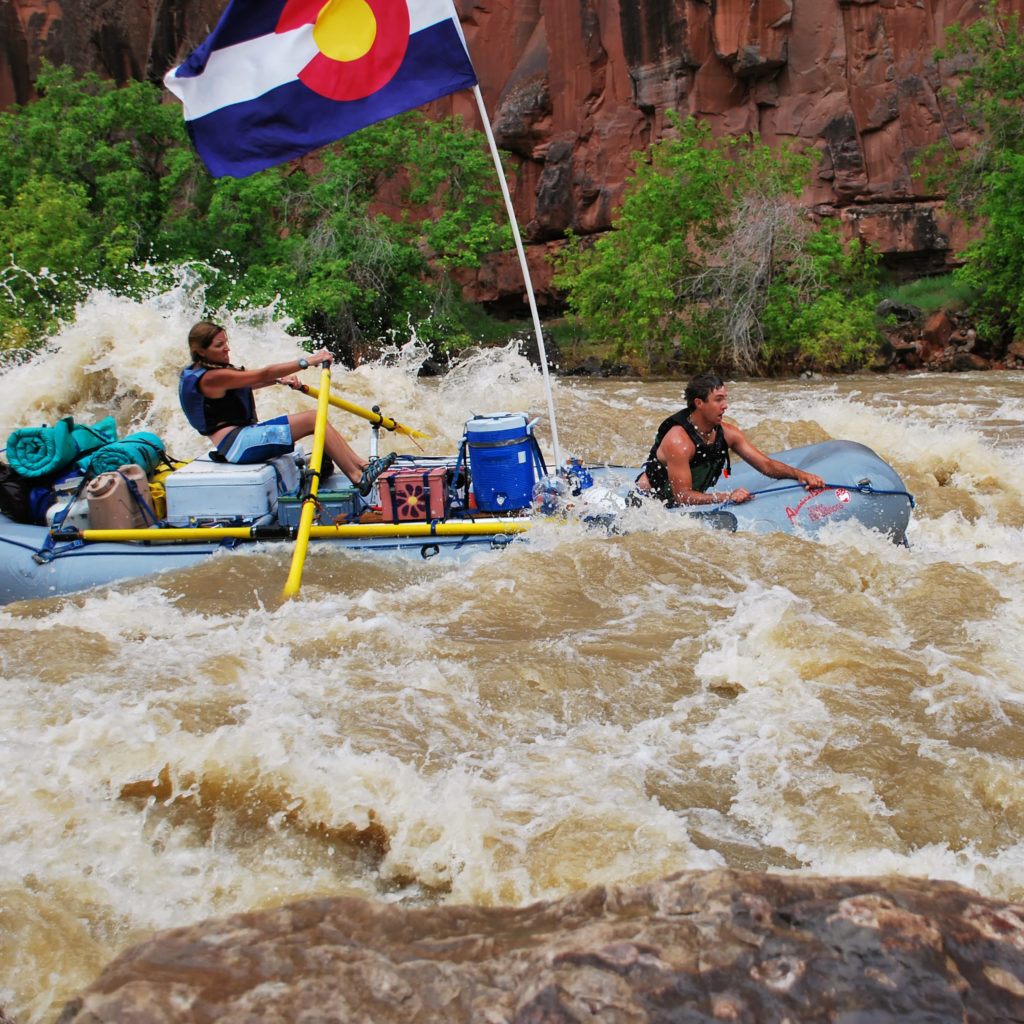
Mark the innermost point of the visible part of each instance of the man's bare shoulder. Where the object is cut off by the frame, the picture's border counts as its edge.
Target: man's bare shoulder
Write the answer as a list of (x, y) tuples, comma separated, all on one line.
[(677, 439)]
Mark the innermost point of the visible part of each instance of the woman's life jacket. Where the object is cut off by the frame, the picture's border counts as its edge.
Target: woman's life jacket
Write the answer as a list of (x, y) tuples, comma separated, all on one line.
[(706, 465), (237, 407)]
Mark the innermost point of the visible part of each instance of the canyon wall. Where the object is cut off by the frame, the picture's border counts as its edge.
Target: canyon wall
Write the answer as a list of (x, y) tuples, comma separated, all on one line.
[(574, 89)]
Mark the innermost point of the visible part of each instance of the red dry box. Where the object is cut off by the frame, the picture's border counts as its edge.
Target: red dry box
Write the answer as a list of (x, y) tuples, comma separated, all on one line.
[(413, 495)]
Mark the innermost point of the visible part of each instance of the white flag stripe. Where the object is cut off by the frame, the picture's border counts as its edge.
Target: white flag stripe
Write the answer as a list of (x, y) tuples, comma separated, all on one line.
[(242, 72)]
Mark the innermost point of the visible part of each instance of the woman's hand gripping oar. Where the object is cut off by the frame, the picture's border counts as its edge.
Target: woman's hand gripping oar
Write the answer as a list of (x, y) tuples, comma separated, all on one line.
[(291, 587)]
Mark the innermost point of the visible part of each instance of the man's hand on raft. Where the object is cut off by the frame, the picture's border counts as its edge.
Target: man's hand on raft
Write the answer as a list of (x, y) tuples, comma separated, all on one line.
[(809, 481)]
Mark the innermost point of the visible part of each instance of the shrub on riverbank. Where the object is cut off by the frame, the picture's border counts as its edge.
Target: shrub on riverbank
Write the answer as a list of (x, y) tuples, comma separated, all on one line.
[(713, 261), (100, 188)]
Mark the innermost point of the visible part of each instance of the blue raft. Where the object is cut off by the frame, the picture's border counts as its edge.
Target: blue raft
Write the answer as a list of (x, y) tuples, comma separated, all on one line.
[(861, 488)]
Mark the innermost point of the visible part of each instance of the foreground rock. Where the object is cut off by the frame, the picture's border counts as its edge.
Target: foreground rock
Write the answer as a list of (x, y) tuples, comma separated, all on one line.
[(704, 946)]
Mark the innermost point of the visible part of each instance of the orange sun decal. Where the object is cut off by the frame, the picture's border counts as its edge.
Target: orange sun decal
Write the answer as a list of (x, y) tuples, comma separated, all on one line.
[(361, 43)]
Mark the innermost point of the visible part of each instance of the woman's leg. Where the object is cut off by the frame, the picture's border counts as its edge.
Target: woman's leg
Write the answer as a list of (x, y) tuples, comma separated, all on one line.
[(303, 424)]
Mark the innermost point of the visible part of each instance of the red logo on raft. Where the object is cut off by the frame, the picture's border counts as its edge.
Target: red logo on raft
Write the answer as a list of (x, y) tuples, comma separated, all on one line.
[(818, 512)]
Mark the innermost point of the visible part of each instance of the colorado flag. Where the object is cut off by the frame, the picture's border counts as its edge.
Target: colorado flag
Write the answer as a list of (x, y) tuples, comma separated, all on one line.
[(278, 78)]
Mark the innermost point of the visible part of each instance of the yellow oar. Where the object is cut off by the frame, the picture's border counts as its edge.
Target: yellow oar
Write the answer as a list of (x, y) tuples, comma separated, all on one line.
[(453, 528), (291, 587), (350, 531), (368, 414)]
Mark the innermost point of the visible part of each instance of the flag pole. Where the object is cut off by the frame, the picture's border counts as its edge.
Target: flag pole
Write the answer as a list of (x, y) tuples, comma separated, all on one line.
[(526, 274)]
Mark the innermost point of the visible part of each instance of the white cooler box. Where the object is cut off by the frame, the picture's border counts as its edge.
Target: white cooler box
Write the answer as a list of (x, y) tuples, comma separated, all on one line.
[(204, 491)]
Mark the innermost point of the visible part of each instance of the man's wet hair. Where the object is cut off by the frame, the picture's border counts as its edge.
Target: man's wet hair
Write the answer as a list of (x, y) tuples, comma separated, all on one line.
[(700, 387)]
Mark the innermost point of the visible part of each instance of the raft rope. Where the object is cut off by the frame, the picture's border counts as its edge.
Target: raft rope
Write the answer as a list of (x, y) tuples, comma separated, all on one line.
[(49, 551), (862, 488), (144, 506)]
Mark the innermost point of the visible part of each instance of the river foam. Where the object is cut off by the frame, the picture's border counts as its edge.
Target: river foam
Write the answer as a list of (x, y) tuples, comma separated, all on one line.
[(581, 709)]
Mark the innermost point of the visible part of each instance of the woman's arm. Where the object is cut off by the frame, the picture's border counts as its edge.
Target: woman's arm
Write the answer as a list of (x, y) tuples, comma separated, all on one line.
[(214, 383)]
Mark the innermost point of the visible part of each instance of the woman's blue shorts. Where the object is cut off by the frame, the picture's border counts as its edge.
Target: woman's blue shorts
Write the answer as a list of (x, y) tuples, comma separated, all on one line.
[(263, 441)]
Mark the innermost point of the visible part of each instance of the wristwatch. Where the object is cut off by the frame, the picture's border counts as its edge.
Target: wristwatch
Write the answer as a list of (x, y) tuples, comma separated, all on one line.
[(303, 363)]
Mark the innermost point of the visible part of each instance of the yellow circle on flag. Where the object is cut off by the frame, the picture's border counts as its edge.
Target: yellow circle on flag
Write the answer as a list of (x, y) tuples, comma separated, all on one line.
[(360, 44), (345, 29)]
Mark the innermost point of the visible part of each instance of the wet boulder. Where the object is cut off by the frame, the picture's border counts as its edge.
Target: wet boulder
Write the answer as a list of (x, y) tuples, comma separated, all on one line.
[(718, 945)]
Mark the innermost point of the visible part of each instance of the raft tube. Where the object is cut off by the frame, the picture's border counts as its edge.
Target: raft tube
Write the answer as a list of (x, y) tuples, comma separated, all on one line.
[(859, 487), (33, 565)]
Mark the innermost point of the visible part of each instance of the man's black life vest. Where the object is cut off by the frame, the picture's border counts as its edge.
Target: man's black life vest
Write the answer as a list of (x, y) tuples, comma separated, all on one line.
[(706, 465)]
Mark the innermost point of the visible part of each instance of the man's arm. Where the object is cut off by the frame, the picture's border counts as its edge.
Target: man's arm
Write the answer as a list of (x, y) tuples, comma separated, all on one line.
[(676, 451), (770, 467)]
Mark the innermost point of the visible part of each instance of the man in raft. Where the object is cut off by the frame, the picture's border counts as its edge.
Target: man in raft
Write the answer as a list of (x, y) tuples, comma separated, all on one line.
[(692, 448), (217, 400)]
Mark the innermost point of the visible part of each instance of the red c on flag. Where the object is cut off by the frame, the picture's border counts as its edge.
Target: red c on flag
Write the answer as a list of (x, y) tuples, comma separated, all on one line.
[(361, 43)]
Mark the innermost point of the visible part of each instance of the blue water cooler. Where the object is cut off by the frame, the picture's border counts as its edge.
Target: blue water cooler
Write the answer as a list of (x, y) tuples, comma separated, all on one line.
[(501, 461)]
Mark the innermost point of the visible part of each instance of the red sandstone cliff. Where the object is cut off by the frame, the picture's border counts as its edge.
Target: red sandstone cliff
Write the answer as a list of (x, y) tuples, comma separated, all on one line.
[(574, 88)]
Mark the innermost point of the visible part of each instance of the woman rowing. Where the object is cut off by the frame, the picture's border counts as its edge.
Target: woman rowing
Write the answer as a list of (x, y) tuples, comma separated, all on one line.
[(217, 399)]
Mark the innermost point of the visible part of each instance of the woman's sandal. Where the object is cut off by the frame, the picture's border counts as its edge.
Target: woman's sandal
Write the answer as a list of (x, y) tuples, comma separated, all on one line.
[(374, 470)]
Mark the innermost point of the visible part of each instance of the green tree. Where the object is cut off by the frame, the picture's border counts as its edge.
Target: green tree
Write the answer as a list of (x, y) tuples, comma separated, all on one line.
[(633, 285), (46, 238), (99, 184), (84, 187), (711, 254), (399, 207), (985, 183), (820, 308), (365, 246), (110, 142)]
